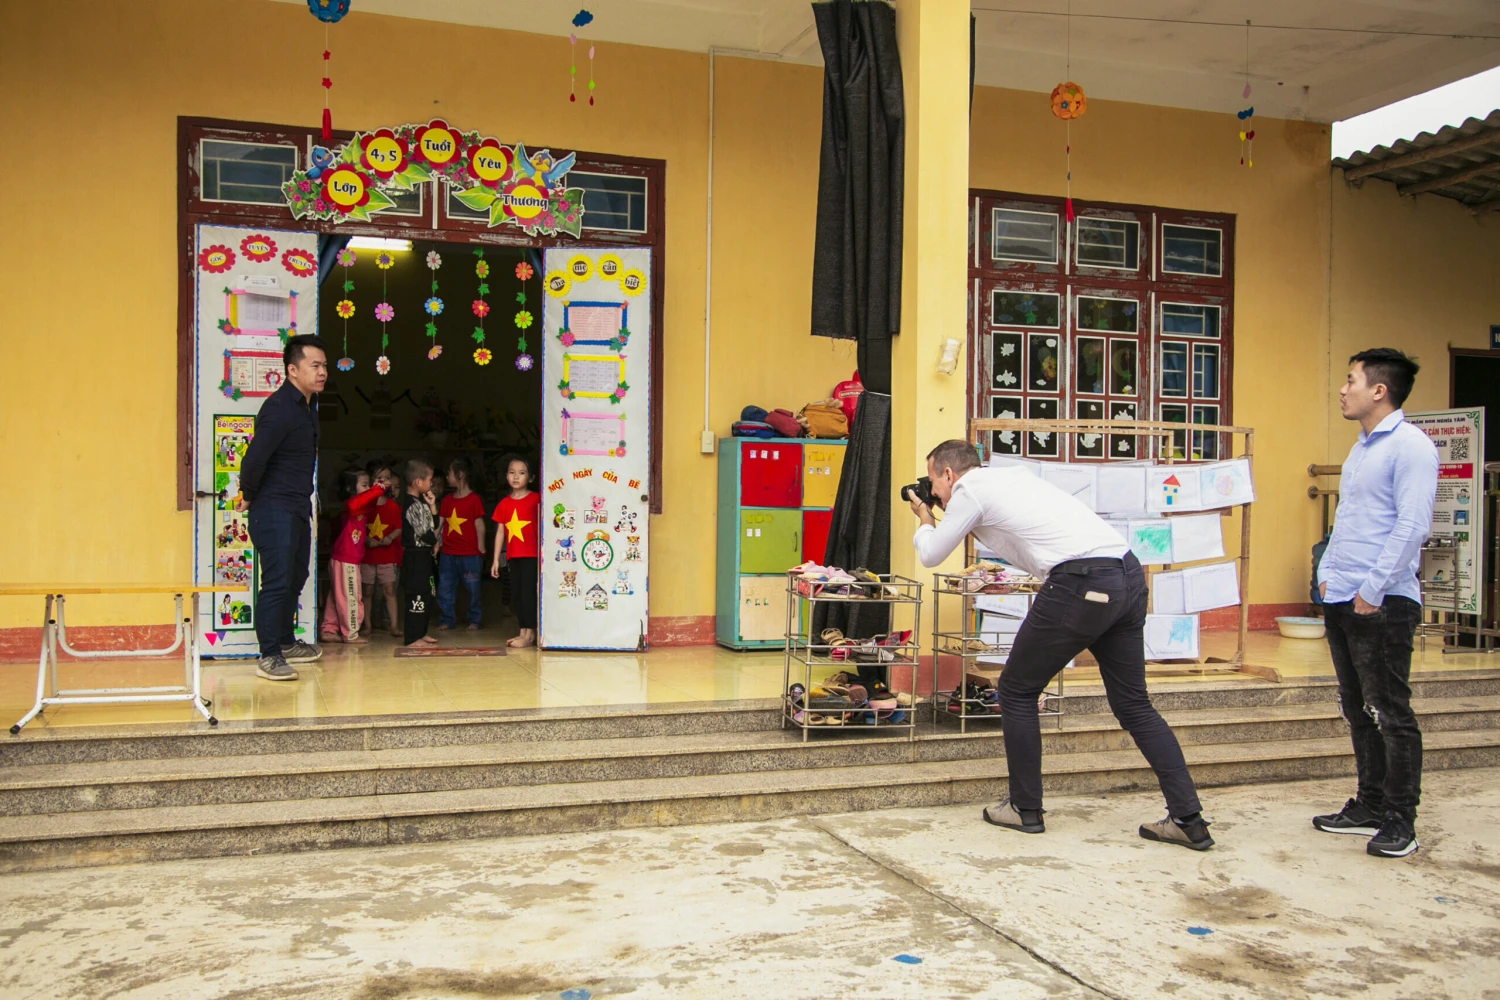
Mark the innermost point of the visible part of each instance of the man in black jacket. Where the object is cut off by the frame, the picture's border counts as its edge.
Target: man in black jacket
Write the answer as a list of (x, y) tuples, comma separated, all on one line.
[(276, 483)]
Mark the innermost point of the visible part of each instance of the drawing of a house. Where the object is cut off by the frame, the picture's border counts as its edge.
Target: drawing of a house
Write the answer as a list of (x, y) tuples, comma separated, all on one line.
[(1169, 489)]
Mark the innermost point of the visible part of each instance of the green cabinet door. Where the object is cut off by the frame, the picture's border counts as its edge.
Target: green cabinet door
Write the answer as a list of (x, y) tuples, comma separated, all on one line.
[(770, 540)]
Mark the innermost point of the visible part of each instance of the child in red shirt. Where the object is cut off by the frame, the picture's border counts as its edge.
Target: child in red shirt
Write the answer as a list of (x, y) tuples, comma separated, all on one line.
[(517, 513), (461, 530), (382, 565), (344, 611)]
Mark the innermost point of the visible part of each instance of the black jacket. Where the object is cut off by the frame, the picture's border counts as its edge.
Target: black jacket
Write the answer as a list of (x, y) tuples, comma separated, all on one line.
[(277, 470)]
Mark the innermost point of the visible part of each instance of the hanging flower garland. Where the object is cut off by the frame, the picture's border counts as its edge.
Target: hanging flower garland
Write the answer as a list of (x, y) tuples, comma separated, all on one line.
[(480, 307), (384, 260), (524, 361), (433, 305), (345, 308)]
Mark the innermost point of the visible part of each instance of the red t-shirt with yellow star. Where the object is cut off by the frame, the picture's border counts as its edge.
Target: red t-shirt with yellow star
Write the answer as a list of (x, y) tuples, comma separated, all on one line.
[(517, 519), (456, 519)]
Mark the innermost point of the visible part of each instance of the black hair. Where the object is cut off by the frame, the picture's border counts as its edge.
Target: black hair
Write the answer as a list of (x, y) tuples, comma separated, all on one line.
[(958, 455), (1391, 368), (463, 469), (349, 481), (374, 465), (513, 457), (416, 468), (292, 353)]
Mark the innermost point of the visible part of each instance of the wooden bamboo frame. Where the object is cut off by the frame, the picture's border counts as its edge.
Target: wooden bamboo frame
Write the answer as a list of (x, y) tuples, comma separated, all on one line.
[(979, 429)]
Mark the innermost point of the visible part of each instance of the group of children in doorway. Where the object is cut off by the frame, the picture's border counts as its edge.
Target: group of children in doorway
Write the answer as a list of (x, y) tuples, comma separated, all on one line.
[(408, 529)]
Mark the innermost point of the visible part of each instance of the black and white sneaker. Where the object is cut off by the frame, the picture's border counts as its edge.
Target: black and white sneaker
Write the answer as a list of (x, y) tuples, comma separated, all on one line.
[(1396, 839), (274, 668), (301, 652), (1353, 818)]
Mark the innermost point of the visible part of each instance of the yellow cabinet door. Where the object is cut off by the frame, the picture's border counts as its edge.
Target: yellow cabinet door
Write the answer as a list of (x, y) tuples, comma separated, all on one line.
[(821, 466)]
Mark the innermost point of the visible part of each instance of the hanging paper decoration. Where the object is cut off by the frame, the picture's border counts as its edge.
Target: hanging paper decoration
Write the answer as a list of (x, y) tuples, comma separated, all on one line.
[(216, 259), (1068, 103), (384, 312), (345, 308), (581, 19), (1247, 116), (329, 12), (480, 307), (433, 305), (524, 361)]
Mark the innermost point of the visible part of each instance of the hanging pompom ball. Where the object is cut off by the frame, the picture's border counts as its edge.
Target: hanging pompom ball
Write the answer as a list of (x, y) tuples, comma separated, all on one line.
[(582, 18), (328, 11), (1068, 101)]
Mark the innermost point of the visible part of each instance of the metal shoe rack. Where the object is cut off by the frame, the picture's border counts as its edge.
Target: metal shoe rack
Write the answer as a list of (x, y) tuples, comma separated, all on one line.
[(968, 644), (810, 656)]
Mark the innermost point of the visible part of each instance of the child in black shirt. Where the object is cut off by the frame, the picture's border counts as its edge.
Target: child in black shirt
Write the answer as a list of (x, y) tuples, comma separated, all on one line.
[(419, 544)]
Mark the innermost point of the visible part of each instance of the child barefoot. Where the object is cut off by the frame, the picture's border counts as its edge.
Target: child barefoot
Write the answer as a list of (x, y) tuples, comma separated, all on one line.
[(382, 565), (461, 524), (344, 611), (419, 544), (516, 514)]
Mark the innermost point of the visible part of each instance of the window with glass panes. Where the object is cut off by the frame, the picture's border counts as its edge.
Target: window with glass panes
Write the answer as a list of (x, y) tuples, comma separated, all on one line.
[(1122, 313)]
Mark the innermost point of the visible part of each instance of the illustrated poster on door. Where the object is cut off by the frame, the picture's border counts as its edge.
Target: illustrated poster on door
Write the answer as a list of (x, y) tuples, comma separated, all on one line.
[(1453, 560), (251, 288), (596, 461)]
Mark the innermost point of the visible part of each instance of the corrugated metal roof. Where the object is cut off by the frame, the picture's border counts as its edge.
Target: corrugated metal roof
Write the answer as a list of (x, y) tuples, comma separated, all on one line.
[(1461, 162)]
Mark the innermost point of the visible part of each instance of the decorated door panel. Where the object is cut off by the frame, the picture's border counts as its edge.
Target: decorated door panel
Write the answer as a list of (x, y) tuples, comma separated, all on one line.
[(815, 525), (596, 459), (252, 288), (821, 466), (770, 474), (762, 608), (770, 540)]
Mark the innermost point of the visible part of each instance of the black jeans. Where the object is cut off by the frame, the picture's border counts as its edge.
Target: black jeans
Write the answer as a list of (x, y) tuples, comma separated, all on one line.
[(1372, 658), (416, 580), (1063, 623), (283, 547)]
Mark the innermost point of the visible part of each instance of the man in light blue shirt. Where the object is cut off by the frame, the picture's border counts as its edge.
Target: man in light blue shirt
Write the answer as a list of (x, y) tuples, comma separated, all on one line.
[(1372, 601)]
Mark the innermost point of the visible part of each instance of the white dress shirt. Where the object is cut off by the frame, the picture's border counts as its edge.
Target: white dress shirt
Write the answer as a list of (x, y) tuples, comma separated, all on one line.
[(1027, 522)]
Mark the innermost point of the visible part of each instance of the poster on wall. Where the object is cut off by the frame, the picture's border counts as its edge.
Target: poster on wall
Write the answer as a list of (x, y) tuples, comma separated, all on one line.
[(254, 288), (596, 459), (1453, 560)]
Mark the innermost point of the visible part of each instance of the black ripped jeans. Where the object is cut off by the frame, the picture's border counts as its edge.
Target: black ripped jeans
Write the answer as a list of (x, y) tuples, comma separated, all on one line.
[(1062, 623), (1372, 658)]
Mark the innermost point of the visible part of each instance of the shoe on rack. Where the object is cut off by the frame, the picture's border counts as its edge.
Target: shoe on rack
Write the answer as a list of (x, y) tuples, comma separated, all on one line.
[(301, 652), (274, 668), (1002, 813), (1396, 838), (1354, 818), (1194, 836)]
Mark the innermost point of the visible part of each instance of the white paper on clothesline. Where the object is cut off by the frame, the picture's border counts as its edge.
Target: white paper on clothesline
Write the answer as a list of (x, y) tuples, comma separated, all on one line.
[(1121, 489), (1171, 637), (1200, 536), (1123, 527), (1151, 540), (1078, 481), (1225, 484), (1207, 587), (1167, 596), (1007, 462), (1172, 487)]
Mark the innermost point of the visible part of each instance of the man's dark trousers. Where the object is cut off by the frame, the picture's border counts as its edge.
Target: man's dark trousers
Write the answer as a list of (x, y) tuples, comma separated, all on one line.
[(1062, 623), (283, 547), (1372, 660)]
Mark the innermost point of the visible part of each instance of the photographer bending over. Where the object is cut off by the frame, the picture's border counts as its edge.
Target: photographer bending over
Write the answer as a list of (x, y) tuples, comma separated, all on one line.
[(1094, 598)]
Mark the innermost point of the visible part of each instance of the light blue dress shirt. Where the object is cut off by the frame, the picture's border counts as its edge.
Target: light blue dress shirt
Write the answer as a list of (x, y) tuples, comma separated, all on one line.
[(1386, 492)]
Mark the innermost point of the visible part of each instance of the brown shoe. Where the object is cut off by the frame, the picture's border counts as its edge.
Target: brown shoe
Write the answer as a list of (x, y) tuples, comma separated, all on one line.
[(1167, 830)]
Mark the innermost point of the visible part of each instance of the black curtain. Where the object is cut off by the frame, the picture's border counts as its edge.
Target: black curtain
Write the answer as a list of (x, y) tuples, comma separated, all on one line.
[(860, 532)]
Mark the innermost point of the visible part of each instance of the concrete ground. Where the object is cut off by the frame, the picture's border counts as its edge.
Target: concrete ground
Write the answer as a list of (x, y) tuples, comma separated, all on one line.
[(905, 903)]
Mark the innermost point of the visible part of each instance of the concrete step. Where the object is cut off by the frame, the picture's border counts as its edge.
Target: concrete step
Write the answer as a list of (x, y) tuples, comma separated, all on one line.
[(67, 745), (115, 836), (191, 781)]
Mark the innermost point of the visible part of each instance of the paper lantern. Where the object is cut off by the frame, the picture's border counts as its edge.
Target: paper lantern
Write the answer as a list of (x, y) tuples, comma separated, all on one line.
[(1068, 101)]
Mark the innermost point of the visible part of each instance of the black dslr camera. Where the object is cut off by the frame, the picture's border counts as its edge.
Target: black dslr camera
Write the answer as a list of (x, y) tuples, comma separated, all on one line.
[(922, 490)]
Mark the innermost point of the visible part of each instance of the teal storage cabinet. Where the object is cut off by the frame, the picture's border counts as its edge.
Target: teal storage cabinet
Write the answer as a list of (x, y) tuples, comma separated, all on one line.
[(775, 497)]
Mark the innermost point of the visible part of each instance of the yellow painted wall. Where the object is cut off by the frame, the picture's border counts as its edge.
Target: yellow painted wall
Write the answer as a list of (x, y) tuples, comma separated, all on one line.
[(1419, 274), (1170, 158), (89, 274)]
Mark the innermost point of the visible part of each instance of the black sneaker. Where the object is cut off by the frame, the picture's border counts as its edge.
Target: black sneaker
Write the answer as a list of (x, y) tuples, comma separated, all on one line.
[(1353, 818), (1397, 838), (300, 652)]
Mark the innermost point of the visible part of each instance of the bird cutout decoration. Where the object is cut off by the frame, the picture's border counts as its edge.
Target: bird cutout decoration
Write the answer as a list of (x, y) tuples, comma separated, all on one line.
[(541, 167), (581, 19), (329, 12)]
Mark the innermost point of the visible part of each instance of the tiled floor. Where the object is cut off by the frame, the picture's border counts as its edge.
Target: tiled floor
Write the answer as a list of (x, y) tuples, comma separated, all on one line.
[(369, 680)]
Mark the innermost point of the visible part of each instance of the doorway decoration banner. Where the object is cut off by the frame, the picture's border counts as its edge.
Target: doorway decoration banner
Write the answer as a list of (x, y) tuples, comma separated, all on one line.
[(355, 182)]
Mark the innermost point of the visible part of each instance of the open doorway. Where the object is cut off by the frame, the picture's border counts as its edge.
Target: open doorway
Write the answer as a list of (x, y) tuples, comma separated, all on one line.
[(431, 398)]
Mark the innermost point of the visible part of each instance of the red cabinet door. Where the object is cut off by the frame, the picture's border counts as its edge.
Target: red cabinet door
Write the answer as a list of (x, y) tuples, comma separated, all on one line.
[(815, 525), (770, 474)]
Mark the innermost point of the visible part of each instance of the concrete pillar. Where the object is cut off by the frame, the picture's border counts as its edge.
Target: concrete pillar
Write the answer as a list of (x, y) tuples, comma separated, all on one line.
[(927, 408)]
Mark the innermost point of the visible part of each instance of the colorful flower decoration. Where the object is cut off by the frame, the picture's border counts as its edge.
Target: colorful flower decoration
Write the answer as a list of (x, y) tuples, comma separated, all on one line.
[(434, 261), (216, 259), (434, 306), (383, 364), (523, 319), (524, 362), (566, 336), (300, 262), (345, 309), (345, 364), (1068, 101), (258, 247), (383, 153), (557, 284), (482, 269), (481, 308), (385, 260), (347, 257), (434, 351), (482, 356), (524, 271), (384, 312)]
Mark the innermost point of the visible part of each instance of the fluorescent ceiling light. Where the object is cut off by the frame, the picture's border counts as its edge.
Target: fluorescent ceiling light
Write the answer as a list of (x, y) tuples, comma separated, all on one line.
[(378, 243)]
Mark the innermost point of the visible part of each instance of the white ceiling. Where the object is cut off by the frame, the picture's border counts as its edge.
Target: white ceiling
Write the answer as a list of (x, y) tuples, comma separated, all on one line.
[(1317, 75)]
